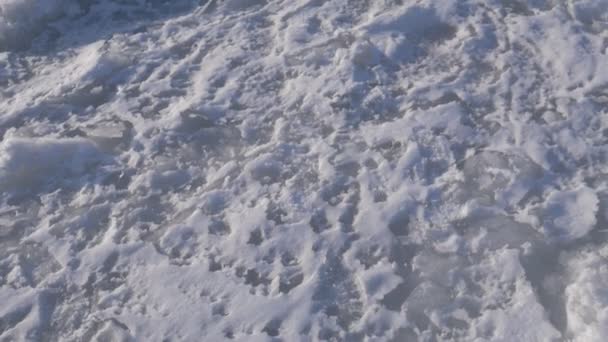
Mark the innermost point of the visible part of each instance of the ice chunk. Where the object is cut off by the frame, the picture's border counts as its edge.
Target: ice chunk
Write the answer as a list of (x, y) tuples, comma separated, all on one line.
[(495, 231), (109, 135), (570, 215), (519, 316), (501, 177), (26, 164)]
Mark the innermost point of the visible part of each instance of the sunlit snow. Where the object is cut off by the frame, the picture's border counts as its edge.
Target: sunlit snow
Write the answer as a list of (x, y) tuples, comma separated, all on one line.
[(303, 170)]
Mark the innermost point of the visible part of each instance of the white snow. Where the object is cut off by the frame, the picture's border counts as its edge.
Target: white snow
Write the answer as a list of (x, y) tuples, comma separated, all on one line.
[(586, 303), (341, 170)]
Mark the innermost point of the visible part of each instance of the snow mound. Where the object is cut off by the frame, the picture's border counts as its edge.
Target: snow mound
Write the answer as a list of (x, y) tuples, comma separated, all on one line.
[(570, 215)]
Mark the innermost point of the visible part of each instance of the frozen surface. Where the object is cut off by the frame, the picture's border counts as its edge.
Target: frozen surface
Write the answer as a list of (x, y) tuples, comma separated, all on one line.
[(273, 170)]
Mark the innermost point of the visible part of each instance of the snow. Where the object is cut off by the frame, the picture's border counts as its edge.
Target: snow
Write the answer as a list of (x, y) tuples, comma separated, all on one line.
[(570, 215), (381, 170), (20, 20), (586, 304)]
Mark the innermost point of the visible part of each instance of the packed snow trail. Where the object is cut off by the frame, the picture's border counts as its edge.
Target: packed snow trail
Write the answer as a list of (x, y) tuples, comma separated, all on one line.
[(274, 170)]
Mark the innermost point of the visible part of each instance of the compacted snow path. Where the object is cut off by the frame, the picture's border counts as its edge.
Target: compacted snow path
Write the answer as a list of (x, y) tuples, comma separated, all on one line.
[(300, 170)]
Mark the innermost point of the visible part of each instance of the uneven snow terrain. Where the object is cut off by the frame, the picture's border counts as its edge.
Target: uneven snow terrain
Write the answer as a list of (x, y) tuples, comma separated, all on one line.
[(302, 170)]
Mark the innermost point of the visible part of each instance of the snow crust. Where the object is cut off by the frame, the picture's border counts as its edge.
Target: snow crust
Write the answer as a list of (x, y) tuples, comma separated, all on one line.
[(270, 170)]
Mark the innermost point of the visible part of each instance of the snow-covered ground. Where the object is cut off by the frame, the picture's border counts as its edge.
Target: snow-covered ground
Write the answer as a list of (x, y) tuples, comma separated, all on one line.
[(301, 170)]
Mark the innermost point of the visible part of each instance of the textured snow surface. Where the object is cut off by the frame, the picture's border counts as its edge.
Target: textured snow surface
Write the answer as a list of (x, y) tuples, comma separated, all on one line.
[(302, 170)]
